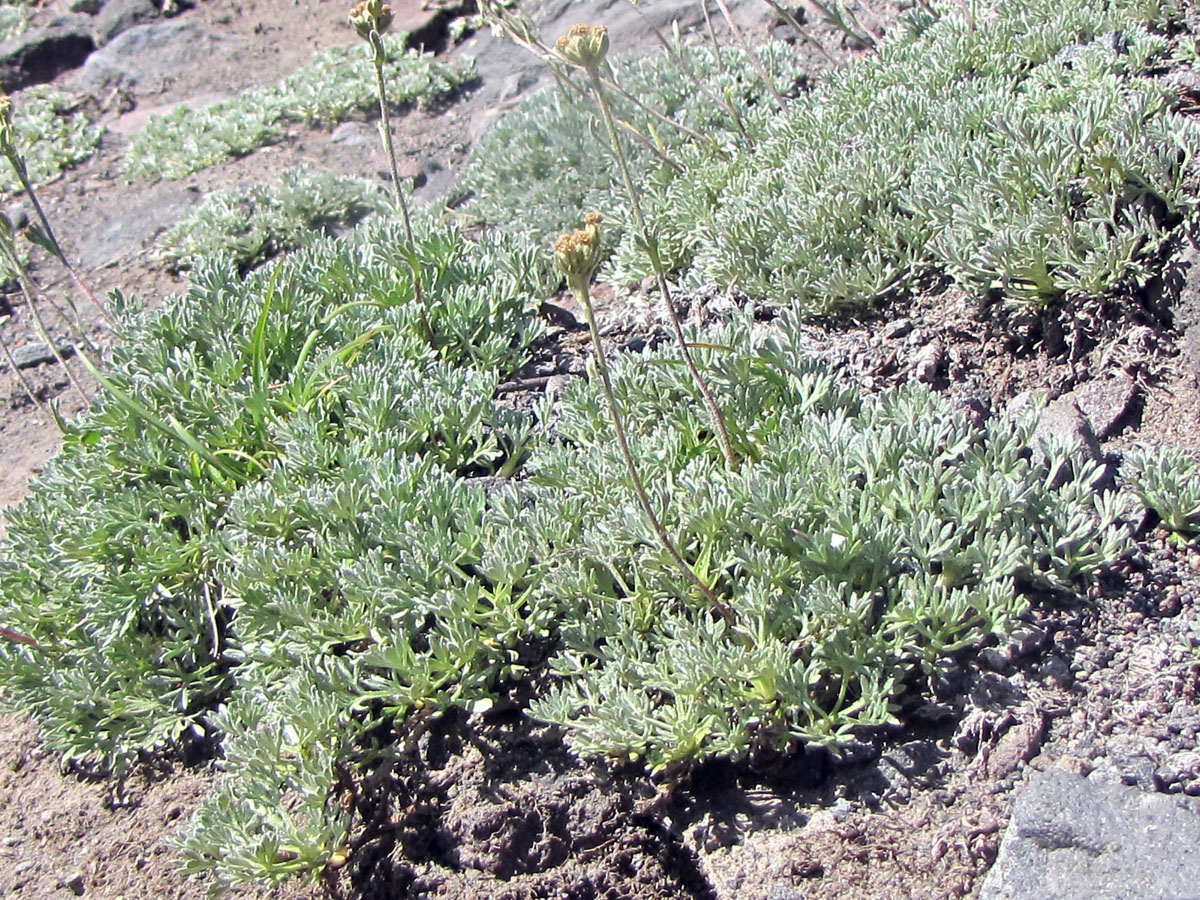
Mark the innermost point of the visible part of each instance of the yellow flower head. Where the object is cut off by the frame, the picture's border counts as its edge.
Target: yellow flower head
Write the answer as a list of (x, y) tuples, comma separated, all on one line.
[(371, 15), (577, 253), (585, 46)]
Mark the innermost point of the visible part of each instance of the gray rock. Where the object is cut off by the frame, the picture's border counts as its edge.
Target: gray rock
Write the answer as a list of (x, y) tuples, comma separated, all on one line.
[(1179, 772), (1186, 311), (149, 54), (1017, 745), (1106, 402), (88, 7), (75, 882), (1133, 759), (929, 362), (17, 214), (913, 764), (37, 353), (1063, 421), (353, 134), (1074, 840), (1063, 424), (134, 227), (39, 55), (118, 16)]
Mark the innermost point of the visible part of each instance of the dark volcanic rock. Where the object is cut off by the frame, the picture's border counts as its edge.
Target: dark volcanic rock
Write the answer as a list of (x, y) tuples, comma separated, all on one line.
[(135, 227), (41, 54)]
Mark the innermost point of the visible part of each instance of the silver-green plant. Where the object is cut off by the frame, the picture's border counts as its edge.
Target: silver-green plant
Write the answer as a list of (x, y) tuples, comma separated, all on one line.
[(250, 225), (871, 537), (334, 83), (14, 19), (1167, 481), (932, 155), (53, 132)]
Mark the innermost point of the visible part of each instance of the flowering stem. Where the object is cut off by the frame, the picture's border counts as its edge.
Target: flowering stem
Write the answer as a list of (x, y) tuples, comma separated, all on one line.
[(750, 54), (385, 128), (674, 51), (722, 608), (660, 273)]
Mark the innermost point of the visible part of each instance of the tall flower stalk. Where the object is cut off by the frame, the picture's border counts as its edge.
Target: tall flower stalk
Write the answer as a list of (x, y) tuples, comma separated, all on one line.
[(371, 19), (586, 47), (577, 254)]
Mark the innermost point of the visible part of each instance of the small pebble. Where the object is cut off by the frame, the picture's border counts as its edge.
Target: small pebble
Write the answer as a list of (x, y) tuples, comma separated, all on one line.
[(76, 884)]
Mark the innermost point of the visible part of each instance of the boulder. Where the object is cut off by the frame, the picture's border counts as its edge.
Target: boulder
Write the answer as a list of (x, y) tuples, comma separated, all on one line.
[(1186, 312), (149, 54), (1072, 839), (39, 55), (135, 226), (118, 16), (1107, 402)]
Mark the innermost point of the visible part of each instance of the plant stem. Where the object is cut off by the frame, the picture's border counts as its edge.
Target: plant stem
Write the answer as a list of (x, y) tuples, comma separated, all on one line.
[(675, 53), (40, 328), (542, 52), (16, 371), (795, 25), (712, 36), (631, 468), (402, 204), (660, 273), (750, 54), (18, 165)]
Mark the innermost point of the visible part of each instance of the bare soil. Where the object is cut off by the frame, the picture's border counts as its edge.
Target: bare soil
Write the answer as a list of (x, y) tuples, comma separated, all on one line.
[(494, 806)]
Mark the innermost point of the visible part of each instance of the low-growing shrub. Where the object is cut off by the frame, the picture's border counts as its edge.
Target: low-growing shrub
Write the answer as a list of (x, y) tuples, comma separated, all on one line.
[(1029, 155), (52, 133), (861, 540), (272, 531), (335, 83), (269, 532), (248, 226), (1167, 481), (125, 536), (14, 19)]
